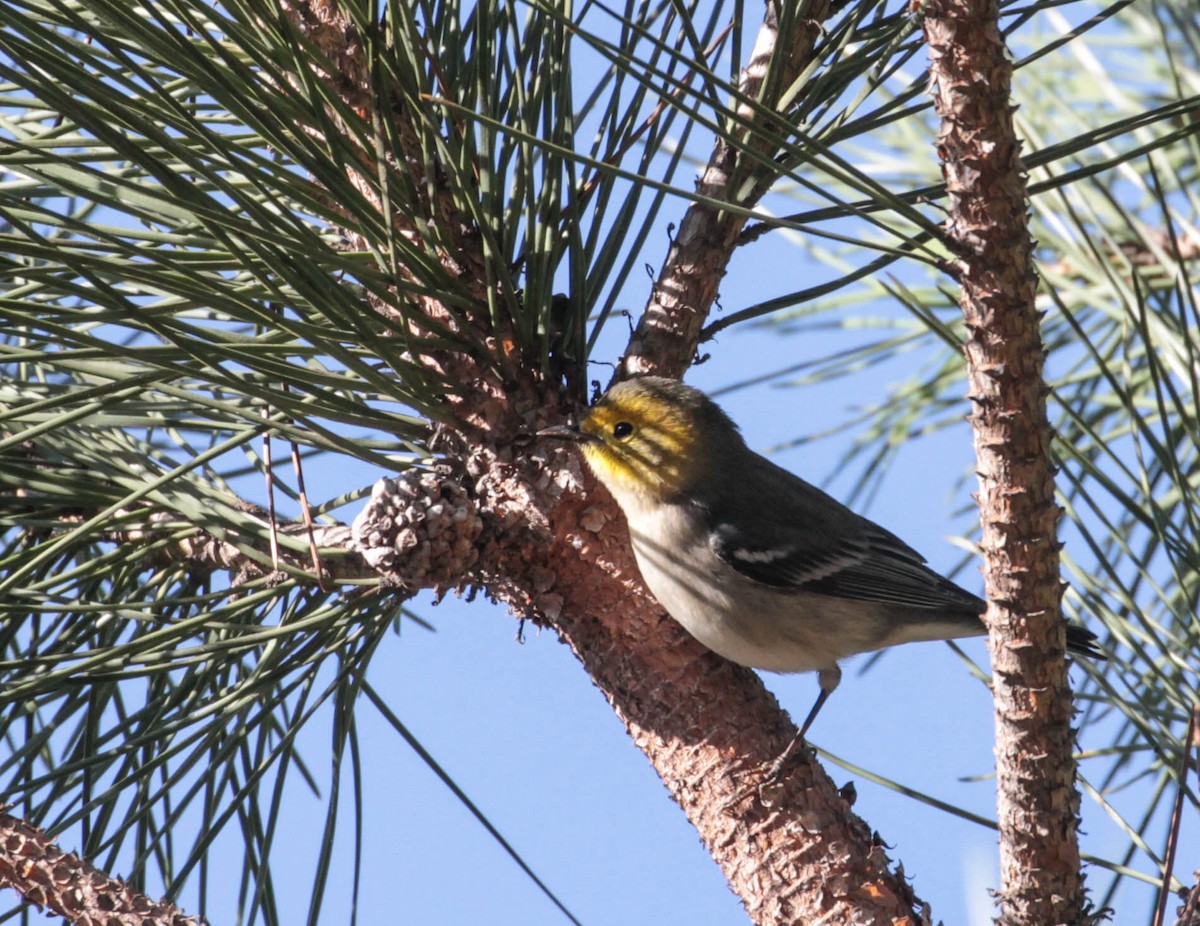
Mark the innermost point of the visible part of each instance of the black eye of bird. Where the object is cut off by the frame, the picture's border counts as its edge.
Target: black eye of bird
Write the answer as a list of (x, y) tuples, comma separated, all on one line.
[(622, 429)]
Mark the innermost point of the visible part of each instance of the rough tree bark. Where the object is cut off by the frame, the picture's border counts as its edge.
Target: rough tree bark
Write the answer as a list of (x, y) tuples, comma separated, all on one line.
[(1189, 910), (987, 228), (668, 332), (67, 885)]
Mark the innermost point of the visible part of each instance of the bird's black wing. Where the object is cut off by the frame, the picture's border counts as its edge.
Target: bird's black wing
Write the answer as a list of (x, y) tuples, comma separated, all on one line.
[(802, 539), (805, 540)]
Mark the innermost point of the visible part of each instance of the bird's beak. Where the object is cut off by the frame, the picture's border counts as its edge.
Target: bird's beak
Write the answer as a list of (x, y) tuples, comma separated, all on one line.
[(569, 432)]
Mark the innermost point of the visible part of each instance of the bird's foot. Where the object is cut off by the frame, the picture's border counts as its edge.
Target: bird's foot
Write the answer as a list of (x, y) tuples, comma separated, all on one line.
[(769, 788)]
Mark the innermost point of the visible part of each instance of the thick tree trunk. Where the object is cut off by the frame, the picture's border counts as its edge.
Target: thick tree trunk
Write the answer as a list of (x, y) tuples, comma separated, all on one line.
[(794, 855)]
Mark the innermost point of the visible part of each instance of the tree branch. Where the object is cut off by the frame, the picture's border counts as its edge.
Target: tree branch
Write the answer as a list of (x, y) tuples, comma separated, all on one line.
[(1189, 911), (668, 332), (418, 530), (62, 882), (971, 78)]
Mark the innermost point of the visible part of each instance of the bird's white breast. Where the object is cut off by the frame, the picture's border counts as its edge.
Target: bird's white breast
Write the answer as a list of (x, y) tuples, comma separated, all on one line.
[(744, 621)]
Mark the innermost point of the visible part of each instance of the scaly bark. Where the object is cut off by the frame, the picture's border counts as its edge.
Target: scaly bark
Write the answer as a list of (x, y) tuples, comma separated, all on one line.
[(987, 229), (67, 885), (1189, 911), (668, 332), (794, 853)]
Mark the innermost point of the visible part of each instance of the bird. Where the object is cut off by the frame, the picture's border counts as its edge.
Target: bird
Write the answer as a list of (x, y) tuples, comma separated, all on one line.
[(758, 565)]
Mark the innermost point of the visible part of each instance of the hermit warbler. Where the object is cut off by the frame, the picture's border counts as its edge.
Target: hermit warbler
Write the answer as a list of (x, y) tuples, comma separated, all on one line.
[(758, 565)]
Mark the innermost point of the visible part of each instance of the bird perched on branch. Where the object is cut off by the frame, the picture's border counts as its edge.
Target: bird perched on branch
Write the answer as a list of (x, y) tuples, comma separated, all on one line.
[(757, 564)]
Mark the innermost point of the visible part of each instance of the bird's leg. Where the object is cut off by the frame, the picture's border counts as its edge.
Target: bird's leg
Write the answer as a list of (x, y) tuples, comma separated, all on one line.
[(828, 679)]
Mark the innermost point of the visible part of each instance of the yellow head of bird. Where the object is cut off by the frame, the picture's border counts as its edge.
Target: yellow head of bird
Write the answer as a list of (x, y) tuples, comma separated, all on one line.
[(649, 438)]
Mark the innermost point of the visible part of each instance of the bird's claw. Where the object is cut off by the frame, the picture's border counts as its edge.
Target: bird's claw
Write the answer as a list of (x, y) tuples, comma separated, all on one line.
[(769, 788)]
